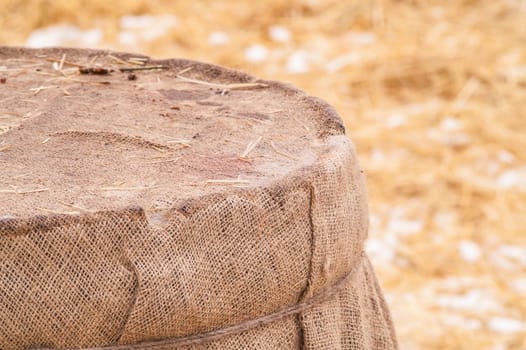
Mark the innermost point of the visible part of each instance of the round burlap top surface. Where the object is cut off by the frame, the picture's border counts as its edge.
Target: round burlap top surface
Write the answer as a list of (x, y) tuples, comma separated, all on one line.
[(144, 137), (147, 204)]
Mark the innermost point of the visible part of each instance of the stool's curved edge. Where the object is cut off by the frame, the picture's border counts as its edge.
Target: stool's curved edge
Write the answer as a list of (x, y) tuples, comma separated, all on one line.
[(330, 193), (331, 122)]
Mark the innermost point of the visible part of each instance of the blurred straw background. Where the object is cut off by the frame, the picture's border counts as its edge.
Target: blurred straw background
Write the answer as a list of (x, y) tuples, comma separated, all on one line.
[(433, 94)]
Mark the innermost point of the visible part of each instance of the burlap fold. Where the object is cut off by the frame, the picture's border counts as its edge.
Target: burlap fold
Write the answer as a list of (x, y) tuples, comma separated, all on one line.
[(185, 201)]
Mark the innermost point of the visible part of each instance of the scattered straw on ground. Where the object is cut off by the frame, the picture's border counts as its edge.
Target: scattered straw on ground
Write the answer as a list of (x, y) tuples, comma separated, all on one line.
[(433, 94)]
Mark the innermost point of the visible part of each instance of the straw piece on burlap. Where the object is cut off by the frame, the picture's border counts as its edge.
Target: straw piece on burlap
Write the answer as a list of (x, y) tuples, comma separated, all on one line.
[(212, 206)]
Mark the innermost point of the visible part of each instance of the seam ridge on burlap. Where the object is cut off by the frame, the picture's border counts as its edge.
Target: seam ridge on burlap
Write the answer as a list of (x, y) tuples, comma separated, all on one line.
[(201, 338), (304, 293), (127, 263), (312, 199)]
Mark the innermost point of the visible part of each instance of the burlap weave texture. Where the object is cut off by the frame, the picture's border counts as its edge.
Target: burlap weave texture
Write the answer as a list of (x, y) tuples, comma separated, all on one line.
[(102, 243)]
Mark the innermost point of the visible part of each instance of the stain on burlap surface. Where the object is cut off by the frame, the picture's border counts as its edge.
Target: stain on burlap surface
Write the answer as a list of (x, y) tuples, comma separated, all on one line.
[(190, 199)]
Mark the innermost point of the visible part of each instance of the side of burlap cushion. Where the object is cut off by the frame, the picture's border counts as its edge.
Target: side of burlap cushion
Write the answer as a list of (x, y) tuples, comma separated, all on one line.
[(122, 277)]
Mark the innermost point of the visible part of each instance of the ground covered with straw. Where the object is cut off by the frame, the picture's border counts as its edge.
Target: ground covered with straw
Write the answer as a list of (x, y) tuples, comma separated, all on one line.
[(433, 94)]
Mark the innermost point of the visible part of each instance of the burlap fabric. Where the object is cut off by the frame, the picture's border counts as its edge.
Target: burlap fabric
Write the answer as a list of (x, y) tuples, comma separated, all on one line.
[(161, 203)]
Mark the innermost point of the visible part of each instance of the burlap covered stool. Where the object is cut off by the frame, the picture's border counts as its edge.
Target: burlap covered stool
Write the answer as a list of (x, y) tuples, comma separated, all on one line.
[(172, 204)]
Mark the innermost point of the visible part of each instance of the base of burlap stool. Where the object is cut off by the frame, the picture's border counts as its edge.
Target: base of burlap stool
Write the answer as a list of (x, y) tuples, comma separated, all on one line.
[(172, 204)]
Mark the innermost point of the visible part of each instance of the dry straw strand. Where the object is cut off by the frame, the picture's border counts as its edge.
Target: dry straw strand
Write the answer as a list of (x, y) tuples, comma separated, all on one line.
[(239, 86), (227, 181), (250, 147)]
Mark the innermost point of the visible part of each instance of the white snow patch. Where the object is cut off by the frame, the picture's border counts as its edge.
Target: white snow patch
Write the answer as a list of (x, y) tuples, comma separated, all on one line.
[(508, 179), (400, 225), (458, 140), (513, 178), (499, 346), (127, 38), (147, 21), (256, 53), (279, 34), (519, 284), (374, 222), (505, 157), (448, 138), (475, 300), (218, 38), (408, 110), (514, 73), (457, 283), (395, 120), (463, 322), (377, 155), (450, 124), (502, 262), (342, 61), (469, 251), (298, 62), (382, 250), (144, 27), (506, 325), (513, 252), (360, 38), (405, 227), (62, 35)]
